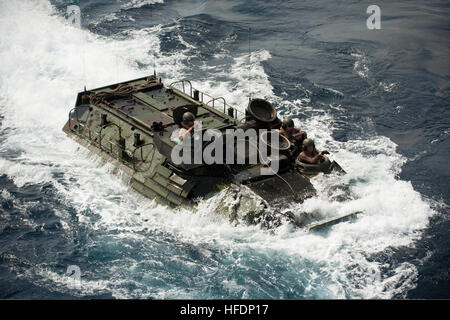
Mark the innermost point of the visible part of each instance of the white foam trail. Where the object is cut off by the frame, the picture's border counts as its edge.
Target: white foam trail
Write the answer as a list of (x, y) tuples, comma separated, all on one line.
[(361, 65), (362, 69), (241, 82), (136, 4), (38, 85)]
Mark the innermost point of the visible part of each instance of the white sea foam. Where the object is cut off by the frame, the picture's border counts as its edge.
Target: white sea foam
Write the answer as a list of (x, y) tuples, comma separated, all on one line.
[(362, 69), (135, 4), (361, 66), (48, 60)]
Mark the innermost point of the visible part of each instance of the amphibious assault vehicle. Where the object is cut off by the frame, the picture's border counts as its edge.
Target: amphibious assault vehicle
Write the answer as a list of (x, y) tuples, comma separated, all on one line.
[(132, 125)]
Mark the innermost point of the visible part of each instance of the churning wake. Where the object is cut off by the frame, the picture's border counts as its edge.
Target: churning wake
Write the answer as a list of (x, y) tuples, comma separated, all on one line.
[(134, 248)]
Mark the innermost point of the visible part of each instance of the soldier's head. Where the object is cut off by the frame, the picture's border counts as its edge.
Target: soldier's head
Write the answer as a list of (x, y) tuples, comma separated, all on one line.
[(188, 119), (288, 125), (308, 145)]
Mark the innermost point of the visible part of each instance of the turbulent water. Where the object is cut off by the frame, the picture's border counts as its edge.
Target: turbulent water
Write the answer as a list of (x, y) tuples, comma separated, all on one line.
[(378, 100)]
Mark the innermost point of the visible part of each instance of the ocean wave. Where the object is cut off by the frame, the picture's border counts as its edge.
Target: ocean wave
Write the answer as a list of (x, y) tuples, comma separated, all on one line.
[(202, 255)]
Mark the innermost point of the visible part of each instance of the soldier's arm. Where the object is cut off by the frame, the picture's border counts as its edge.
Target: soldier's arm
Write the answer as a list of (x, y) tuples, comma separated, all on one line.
[(182, 133), (312, 160), (297, 130), (304, 158)]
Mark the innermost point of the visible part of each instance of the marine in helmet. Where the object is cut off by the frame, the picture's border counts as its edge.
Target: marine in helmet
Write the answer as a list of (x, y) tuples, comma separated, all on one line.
[(310, 154), (187, 125), (294, 135)]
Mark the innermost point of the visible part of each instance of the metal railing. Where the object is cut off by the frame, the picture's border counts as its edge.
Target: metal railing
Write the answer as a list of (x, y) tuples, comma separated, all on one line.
[(96, 137), (237, 114), (70, 118), (100, 133), (142, 157), (81, 127), (183, 86)]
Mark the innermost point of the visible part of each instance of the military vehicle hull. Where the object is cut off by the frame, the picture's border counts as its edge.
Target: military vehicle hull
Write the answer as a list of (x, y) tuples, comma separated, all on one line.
[(130, 125)]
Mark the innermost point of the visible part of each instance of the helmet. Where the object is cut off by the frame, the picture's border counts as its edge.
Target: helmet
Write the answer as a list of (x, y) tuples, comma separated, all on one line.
[(287, 123), (188, 117), (308, 142)]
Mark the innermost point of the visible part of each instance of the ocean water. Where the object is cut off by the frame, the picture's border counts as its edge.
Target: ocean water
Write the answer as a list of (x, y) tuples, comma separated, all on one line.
[(377, 99)]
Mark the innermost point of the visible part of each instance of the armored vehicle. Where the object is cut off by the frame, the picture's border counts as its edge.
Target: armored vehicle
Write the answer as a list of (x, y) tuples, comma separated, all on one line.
[(135, 126)]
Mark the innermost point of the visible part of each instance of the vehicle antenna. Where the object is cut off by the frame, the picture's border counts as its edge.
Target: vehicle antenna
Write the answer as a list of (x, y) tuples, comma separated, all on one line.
[(84, 54), (249, 63), (117, 69), (83, 36)]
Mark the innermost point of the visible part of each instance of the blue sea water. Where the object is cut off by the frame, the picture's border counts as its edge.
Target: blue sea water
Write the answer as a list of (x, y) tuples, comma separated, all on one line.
[(377, 99)]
